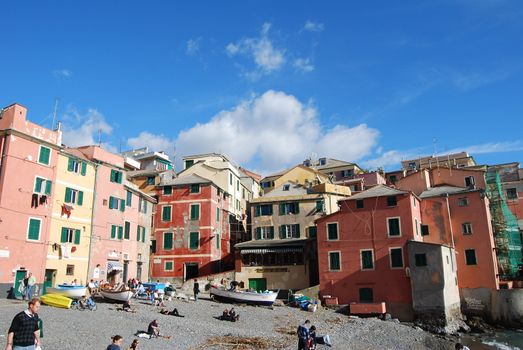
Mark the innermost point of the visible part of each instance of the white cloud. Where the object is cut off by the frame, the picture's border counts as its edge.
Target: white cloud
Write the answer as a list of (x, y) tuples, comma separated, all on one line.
[(477, 80), (152, 141), (303, 64), (62, 73), (313, 26), (274, 131), (387, 159), (84, 129), (261, 49), (490, 147), (193, 46)]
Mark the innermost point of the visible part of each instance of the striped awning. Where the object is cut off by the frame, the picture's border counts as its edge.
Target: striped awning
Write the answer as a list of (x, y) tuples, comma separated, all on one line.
[(272, 250), (114, 265)]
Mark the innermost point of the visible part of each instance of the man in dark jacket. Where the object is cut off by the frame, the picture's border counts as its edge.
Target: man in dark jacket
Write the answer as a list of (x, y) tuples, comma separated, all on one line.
[(196, 289), (303, 335), (24, 330)]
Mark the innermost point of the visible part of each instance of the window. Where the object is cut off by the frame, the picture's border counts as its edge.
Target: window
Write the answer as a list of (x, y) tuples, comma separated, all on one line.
[(195, 188), (140, 233), (116, 176), (69, 270), (347, 173), (116, 203), (230, 179), (267, 184), (392, 201), (194, 240), (420, 259), (77, 166), (320, 206), (74, 196), (312, 232), (512, 193), (396, 258), (237, 185), (42, 186), (168, 240), (412, 165), (218, 241), (166, 213), (243, 193), (142, 205), (393, 178), (332, 231), (286, 187), (70, 235), (33, 229), (470, 256), (168, 266), (290, 231), (263, 210), (416, 225), (414, 202), (44, 155), (469, 181), (150, 180), (366, 295), (466, 228), (167, 190), (289, 208), (129, 199), (266, 232), (189, 163), (393, 226), (238, 204), (127, 231), (367, 259), (424, 230), (463, 202), (195, 211), (334, 261), (360, 204), (217, 214), (323, 161)]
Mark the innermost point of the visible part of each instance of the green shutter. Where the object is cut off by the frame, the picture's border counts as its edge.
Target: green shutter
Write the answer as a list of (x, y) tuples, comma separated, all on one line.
[(319, 205), (38, 184), (80, 197), (76, 236), (113, 231), (84, 168), (48, 186), (312, 232), (122, 205), (138, 233), (195, 212), (68, 195), (271, 232), (194, 240), (257, 210), (143, 234), (296, 208), (34, 229), (127, 234), (282, 208), (112, 176), (129, 198), (258, 232), (217, 214), (298, 234), (168, 240), (270, 209), (70, 164), (120, 232), (119, 176), (63, 238), (166, 213), (282, 231), (218, 241), (110, 202), (44, 155)]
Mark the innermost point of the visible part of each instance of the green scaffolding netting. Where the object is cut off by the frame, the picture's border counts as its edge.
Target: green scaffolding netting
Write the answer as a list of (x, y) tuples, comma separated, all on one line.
[(506, 229)]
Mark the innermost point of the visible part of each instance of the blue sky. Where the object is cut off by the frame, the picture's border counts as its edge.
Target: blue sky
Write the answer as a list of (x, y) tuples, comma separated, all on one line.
[(273, 82)]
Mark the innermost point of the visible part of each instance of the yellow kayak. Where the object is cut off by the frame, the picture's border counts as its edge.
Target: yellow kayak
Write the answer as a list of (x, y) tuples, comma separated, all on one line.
[(56, 300)]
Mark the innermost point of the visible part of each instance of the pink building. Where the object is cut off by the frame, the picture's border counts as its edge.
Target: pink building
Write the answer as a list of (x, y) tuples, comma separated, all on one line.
[(27, 171)]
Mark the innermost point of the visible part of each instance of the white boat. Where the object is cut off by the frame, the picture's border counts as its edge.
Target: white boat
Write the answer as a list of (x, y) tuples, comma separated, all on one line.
[(241, 297), (122, 296), (73, 292)]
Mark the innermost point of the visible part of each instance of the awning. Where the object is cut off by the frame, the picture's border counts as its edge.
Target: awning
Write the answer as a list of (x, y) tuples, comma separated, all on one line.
[(272, 250), (114, 265)]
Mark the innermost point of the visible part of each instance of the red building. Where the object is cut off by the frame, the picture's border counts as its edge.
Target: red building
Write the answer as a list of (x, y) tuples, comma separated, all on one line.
[(362, 249), (191, 229)]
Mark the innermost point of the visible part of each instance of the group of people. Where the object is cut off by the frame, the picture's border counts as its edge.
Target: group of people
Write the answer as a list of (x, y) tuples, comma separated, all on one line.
[(117, 343), (307, 338), (229, 315), (27, 286)]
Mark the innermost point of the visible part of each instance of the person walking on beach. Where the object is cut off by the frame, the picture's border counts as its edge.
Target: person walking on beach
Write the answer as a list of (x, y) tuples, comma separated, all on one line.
[(31, 281), (116, 344), (24, 332), (303, 335), (196, 289)]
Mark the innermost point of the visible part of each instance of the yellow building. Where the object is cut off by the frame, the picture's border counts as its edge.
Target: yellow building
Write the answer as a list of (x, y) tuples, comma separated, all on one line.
[(72, 210)]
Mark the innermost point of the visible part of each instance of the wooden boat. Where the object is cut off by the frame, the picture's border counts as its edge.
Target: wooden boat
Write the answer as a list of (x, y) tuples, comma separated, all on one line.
[(116, 295), (73, 292), (56, 300), (241, 297)]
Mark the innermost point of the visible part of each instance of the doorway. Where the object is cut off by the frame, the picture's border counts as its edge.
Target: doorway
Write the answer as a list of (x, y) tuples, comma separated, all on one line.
[(49, 279), (258, 284), (125, 271), (191, 270), (19, 276)]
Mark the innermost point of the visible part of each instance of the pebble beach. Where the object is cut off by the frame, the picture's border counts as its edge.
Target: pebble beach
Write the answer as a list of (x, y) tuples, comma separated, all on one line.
[(258, 327)]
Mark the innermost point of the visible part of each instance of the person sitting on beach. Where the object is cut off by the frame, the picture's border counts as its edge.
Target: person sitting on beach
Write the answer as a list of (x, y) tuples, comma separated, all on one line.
[(174, 312), (134, 345), (460, 346), (314, 339), (154, 329), (225, 314), (233, 316), (116, 344)]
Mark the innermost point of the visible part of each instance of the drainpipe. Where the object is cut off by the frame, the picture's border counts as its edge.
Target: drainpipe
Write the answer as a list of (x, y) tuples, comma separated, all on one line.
[(4, 144), (92, 222), (446, 195)]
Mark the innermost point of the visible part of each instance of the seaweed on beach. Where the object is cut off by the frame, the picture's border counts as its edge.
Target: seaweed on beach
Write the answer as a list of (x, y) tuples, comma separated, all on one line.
[(242, 343)]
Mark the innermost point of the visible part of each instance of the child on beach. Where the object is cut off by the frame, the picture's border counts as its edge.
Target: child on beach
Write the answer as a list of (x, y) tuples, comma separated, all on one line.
[(116, 344)]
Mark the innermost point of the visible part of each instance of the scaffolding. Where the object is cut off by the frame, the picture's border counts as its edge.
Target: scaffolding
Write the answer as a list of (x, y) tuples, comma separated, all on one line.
[(506, 229)]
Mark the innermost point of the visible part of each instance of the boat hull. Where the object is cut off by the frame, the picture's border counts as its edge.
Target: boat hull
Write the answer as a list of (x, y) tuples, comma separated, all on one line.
[(74, 293), (117, 296), (266, 299), (56, 300)]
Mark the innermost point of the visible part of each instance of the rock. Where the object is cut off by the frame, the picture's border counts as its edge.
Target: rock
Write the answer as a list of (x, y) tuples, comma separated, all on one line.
[(395, 320), (278, 302), (418, 328), (387, 317)]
